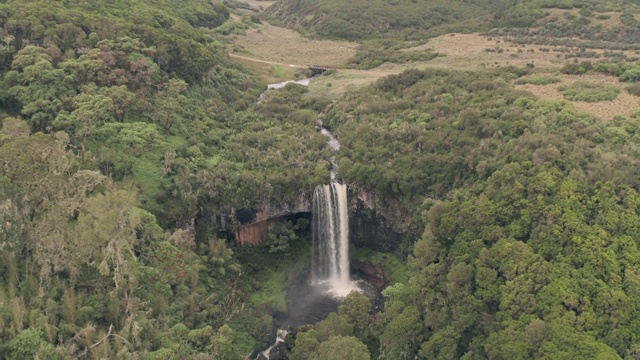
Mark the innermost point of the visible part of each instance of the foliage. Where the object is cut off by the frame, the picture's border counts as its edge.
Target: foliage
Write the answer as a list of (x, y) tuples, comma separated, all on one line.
[(519, 254), (589, 92), (331, 340), (393, 265), (627, 72), (355, 308), (374, 53), (528, 23), (538, 79), (358, 20), (633, 89), (124, 126), (30, 344), (130, 143)]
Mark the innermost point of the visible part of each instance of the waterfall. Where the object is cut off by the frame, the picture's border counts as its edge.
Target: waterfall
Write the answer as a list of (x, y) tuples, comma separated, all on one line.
[(330, 254), (281, 334)]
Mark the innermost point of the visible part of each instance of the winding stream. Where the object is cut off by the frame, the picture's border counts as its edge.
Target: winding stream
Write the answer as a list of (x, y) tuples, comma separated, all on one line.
[(280, 85), (311, 304)]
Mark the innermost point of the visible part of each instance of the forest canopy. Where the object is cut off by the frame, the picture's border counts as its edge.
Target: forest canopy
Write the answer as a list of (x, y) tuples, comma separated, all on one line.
[(132, 146)]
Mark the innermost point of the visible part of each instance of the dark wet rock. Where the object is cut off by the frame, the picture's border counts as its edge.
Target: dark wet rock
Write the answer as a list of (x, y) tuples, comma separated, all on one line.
[(279, 352), (371, 273)]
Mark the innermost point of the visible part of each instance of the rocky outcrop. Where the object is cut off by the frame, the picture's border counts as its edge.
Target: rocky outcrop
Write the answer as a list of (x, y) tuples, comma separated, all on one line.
[(255, 233), (368, 228), (255, 224), (371, 273), (279, 352)]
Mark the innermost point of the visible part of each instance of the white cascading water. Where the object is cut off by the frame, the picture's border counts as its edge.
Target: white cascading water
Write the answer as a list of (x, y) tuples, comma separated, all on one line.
[(330, 253), (281, 334)]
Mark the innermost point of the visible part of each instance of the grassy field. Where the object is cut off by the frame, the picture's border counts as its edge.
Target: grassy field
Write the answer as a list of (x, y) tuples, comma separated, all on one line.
[(334, 85), (270, 73), (624, 104), (273, 53), (282, 45)]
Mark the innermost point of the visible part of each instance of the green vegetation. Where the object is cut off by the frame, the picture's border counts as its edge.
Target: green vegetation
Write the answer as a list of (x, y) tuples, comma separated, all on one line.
[(633, 89), (589, 92), (533, 23), (518, 196), (125, 130), (362, 19), (538, 79), (131, 146), (394, 266), (376, 52), (626, 72)]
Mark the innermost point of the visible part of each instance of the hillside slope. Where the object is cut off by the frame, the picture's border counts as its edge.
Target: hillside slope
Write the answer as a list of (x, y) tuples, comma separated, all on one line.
[(363, 19)]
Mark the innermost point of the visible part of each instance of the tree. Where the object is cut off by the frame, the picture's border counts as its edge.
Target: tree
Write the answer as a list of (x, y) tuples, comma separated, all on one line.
[(135, 138), (38, 86), (90, 111), (355, 308), (342, 347), (169, 104), (12, 217), (334, 324), (401, 335), (15, 127), (30, 345), (306, 345)]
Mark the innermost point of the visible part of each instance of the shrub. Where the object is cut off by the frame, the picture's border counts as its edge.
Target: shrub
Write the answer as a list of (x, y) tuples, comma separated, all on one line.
[(577, 69), (633, 89), (631, 75), (585, 12), (589, 92), (538, 79)]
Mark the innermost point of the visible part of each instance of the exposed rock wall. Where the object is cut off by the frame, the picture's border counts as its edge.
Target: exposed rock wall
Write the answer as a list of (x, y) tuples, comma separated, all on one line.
[(371, 273), (368, 228), (255, 233), (255, 224)]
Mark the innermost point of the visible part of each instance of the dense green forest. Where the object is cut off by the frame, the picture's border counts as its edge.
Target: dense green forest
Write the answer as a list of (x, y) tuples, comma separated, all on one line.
[(130, 141), (127, 134), (531, 217)]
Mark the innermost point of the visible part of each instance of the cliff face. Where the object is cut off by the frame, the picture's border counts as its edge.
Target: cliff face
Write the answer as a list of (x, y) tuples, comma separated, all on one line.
[(255, 224), (371, 273), (255, 233), (368, 227)]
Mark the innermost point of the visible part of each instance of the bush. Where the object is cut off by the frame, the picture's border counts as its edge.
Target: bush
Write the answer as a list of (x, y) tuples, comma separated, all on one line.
[(538, 79), (631, 75), (585, 12), (589, 92), (633, 89), (576, 69)]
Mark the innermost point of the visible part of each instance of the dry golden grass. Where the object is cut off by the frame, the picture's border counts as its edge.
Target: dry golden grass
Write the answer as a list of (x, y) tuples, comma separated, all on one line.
[(333, 86), (623, 105), (469, 51), (286, 46), (269, 73), (274, 53)]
